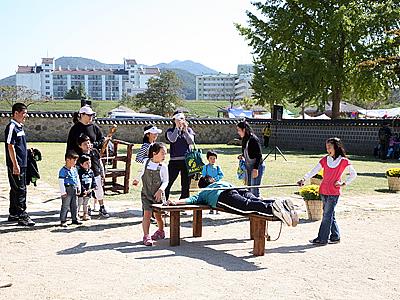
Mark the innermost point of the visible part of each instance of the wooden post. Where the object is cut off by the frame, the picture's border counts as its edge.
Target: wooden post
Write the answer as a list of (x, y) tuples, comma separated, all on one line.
[(175, 221), (114, 163), (127, 168), (259, 236), (252, 228), (197, 222)]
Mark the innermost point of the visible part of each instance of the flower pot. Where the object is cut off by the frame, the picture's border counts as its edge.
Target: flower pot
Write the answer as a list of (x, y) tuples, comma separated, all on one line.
[(394, 183), (316, 181), (314, 209)]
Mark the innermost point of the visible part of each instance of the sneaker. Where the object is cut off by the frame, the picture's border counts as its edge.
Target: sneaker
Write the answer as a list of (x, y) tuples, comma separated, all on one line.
[(13, 218), (211, 212), (63, 224), (337, 241), (103, 212), (318, 242), (158, 235), (288, 205), (147, 241), (76, 222), (280, 212), (25, 221)]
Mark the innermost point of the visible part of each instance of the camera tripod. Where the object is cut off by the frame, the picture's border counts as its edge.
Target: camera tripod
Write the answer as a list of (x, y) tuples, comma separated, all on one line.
[(275, 149)]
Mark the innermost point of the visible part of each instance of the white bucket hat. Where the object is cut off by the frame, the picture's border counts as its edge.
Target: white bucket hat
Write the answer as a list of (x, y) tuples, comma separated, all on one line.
[(153, 130)]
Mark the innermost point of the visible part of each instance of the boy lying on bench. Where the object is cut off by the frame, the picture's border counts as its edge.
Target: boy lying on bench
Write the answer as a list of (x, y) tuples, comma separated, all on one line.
[(239, 201)]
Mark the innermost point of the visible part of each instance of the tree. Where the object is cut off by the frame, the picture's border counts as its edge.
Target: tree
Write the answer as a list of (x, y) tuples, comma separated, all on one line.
[(162, 95), (308, 51), (14, 94), (76, 93)]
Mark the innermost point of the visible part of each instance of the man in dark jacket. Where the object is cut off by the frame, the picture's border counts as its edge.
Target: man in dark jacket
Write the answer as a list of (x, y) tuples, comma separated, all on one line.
[(16, 160)]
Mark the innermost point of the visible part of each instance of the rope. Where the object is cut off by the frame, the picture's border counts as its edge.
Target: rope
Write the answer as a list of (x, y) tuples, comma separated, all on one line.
[(268, 237), (246, 187)]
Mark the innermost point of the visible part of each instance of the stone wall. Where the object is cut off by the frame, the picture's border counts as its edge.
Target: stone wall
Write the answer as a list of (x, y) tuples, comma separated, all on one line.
[(359, 136)]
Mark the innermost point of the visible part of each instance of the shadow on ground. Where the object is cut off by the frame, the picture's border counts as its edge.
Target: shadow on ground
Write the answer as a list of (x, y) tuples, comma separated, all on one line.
[(196, 250)]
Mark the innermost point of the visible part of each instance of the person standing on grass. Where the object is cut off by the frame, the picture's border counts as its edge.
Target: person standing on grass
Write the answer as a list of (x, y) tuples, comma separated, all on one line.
[(333, 164), (16, 161), (180, 137), (85, 125), (154, 176), (267, 135), (251, 152), (151, 133)]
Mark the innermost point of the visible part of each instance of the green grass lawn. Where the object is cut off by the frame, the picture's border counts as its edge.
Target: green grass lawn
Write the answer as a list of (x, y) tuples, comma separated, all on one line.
[(371, 180), (196, 108)]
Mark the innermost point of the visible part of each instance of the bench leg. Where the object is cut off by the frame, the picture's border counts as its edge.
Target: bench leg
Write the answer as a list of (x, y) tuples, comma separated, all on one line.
[(175, 226), (252, 228), (259, 236), (197, 223)]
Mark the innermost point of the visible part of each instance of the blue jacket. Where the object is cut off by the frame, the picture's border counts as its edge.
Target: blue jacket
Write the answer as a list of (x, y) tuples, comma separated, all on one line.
[(209, 197)]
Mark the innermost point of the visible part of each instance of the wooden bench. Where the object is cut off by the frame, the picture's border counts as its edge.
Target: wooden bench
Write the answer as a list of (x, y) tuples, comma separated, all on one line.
[(257, 224)]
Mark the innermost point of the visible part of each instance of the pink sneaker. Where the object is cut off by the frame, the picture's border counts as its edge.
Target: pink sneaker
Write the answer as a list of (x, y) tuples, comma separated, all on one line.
[(158, 235), (147, 241)]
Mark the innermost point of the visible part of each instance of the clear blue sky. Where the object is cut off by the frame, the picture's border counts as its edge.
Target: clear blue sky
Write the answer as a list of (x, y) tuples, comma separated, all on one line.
[(151, 31)]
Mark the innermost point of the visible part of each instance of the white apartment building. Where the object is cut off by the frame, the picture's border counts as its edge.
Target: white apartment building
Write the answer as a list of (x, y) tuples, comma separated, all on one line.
[(243, 86), (225, 86), (215, 87), (245, 69), (99, 84)]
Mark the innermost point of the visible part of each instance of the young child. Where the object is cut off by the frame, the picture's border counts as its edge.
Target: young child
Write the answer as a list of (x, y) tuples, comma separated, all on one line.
[(154, 176), (98, 169), (212, 170), (88, 184), (150, 136), (333, 165), (69, 188)]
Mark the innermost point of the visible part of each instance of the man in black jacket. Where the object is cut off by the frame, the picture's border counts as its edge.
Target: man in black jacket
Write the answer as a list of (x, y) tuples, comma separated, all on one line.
[(16, 160)]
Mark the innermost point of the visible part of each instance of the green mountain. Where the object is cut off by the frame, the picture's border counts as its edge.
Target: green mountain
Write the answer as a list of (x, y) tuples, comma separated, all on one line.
[(10, 80)]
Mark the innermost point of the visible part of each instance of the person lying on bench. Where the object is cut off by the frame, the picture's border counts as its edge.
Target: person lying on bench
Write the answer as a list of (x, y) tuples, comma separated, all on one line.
[(240, 201)]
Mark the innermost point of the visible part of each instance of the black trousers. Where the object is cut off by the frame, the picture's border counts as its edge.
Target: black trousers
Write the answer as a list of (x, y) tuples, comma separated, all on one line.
[(266, 141), (174, 168), (17, 192), (243, 201)]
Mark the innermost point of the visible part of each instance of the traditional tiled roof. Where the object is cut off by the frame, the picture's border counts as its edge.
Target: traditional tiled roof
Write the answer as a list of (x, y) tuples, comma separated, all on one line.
[(25, 69), (131, 61), (215, 121), (47, 60)]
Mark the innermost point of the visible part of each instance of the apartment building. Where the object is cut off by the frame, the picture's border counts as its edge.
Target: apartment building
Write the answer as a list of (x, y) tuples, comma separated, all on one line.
[(99, 83)]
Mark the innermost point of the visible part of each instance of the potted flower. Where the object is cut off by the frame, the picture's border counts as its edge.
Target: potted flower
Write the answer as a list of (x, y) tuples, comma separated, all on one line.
[(317, 179), (393, 176), (310, 194)]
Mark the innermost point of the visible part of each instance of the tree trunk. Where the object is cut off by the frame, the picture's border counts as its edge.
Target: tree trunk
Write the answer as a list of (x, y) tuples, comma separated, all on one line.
[(336, 99)]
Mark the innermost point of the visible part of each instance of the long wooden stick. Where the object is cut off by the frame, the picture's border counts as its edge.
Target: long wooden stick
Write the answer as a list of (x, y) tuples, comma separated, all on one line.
[(246, 187)]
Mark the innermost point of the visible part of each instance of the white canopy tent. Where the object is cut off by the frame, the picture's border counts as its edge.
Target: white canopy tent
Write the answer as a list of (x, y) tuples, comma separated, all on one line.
[(380, 113)]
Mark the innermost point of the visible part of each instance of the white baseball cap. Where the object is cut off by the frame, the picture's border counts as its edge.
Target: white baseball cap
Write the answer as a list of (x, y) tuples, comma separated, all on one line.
[(87, 110), (178, 116), (153, 130)]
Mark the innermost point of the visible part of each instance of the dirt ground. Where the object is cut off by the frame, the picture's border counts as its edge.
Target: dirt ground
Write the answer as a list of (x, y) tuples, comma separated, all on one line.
[(105, 259)]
